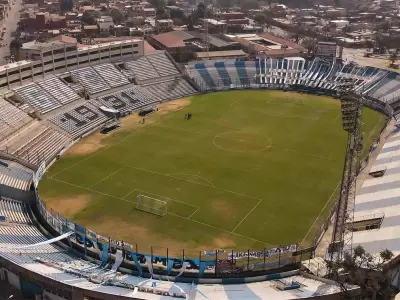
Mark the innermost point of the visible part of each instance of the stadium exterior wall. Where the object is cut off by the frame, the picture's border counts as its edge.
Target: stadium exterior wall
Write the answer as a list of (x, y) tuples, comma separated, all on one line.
[(209, 263)]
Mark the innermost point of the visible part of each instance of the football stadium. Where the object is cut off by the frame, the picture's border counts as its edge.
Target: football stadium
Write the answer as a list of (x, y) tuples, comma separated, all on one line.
[(139, 178)]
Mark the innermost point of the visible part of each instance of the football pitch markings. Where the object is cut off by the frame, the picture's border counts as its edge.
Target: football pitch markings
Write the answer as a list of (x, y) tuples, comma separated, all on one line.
[(172, 214), (158, 123)]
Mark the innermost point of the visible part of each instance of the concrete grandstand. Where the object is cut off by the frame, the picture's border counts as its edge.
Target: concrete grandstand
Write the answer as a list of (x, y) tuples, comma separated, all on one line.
[(42, 253)]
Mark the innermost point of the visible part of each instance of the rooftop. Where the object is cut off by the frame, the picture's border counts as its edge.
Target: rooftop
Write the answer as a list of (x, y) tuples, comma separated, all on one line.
[(226, 53)]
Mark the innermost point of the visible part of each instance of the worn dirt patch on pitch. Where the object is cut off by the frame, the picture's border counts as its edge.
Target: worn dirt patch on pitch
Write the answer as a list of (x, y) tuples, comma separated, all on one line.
[(135, 121), (87, 145), (70, 205), (222, 208), (173, 105), (137, 234), (223, 242)]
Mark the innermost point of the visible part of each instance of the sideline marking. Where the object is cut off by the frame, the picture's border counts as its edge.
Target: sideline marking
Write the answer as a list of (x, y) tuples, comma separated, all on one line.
[(307, 154), (172, 214), (194, 213), (329, 200), (246, 216)]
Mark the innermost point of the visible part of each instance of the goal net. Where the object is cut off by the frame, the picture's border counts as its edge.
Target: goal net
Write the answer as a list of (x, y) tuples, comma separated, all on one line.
[(151, 205)]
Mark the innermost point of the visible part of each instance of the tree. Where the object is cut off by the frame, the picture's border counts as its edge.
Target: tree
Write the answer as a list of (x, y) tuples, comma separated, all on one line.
[(117, 16), (171, 3), (157, 3), (224, 4), (310, 44), (369, 272), (200, 11), (66, 5), (392, 59), (260, 19), (249, 4), (89, 17), (15, 45), (177, 14)]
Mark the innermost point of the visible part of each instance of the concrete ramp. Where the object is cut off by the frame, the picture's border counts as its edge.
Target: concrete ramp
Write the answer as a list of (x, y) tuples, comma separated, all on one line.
[(316, 266)]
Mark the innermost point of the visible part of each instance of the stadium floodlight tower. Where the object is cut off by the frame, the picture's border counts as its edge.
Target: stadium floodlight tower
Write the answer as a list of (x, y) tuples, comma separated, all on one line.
[(342, 237)]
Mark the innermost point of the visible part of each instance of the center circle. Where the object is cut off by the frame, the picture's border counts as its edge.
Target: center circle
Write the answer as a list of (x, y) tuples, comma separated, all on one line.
[(242, 141)]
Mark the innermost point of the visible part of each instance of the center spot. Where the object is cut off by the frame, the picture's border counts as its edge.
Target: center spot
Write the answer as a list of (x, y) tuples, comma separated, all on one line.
[(241, 141)]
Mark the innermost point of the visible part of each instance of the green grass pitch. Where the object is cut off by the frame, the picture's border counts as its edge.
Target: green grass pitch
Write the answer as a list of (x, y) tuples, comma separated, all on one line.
[(251, 169)]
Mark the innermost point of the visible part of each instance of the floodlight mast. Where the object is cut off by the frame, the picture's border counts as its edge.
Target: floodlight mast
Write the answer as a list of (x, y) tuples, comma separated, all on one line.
[(342, 237)]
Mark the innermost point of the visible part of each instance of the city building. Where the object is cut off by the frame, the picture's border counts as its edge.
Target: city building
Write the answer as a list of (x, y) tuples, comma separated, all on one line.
[(41, 59)]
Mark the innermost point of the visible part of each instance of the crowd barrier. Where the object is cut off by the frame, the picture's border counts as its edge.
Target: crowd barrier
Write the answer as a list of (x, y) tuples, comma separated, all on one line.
[(167, 261)]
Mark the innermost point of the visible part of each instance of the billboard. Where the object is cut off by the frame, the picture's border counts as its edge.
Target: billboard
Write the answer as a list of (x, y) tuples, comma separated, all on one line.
[(327, 49)]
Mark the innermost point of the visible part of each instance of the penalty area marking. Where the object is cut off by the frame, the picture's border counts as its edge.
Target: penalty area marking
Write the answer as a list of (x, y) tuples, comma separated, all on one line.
[(108, 176), (161, 197), (246, 216), (205, 179), (186, 218)]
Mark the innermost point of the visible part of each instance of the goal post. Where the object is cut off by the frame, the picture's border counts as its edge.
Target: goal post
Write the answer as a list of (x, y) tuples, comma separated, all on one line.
[(151, 205)]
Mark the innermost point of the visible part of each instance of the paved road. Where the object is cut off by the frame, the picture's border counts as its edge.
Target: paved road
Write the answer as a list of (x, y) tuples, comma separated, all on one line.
[(10, 23)]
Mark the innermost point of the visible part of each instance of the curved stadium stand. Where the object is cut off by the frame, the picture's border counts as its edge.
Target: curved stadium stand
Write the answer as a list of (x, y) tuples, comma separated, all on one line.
[(65, 116)]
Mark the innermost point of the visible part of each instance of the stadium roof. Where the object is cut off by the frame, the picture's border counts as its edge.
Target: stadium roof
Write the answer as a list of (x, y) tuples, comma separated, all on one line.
[(227, 53), (268, 43), (64, 38), (380, 197), (178, 38)]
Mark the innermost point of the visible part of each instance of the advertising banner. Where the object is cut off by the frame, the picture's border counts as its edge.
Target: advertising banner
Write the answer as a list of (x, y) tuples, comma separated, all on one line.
[(261, 254)]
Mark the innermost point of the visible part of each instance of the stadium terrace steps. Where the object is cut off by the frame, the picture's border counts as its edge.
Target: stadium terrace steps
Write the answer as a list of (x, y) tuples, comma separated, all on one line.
[(91, 80), (223, 73), (142, 68), (162, 64), (43, 146), (172, 89), (14, 211), (11, 119), (126, 100), (56, 88), (202, 70), (15, 176), (37, 97), (251, 71), (79, 119), (111, 74), (242, 73)]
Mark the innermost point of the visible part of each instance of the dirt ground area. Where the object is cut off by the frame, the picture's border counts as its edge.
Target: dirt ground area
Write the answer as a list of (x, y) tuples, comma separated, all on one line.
[(69, 206), (172, 106), (97, 140), (144, 237)]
